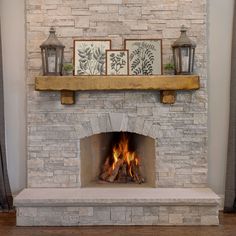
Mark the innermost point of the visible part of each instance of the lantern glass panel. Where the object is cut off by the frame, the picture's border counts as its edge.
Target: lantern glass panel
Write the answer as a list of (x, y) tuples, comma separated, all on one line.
[(177, 60), (192, 60), (185, 58), (59, 57), (51, 57), (43, 61)]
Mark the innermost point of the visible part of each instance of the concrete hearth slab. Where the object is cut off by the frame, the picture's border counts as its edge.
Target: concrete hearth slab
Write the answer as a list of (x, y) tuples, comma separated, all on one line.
[(114, 196)]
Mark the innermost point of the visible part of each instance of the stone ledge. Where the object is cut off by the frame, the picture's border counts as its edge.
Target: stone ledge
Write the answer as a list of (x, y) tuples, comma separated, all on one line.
[(42, 197)]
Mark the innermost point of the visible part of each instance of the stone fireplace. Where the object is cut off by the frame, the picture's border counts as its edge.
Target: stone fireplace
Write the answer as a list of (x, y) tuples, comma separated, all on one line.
[(68, 144)]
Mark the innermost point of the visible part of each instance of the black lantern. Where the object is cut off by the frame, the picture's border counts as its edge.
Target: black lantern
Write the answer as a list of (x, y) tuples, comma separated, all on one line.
[(183, 53), (52, 54)]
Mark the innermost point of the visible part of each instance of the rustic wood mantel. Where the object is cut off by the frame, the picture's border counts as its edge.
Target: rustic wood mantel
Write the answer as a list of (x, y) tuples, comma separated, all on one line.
[(167, 84)]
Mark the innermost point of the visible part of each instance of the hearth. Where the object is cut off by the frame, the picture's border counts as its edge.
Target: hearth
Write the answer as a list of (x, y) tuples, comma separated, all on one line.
[(117, 159)]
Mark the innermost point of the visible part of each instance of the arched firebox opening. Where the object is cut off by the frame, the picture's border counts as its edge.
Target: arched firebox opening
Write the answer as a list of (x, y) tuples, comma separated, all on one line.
[(117, 159)]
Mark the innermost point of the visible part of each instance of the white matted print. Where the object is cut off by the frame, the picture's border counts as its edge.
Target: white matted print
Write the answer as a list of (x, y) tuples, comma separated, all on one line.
[(90, 56), (117, 62), (145, 56)]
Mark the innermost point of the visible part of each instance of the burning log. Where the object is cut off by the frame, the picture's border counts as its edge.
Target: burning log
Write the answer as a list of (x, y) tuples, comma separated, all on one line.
[(115, 171), (136, 173), (122, 174), (105, 170)]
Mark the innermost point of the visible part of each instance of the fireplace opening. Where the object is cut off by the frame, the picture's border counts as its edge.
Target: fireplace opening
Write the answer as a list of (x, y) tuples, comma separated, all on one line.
[(122, 165), (117, 159)]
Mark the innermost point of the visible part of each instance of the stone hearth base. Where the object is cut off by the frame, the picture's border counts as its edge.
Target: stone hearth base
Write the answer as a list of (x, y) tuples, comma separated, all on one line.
[(119, 206)]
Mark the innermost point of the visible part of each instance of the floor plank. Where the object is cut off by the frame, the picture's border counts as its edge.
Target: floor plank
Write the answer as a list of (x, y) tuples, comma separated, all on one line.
[(227, 227)]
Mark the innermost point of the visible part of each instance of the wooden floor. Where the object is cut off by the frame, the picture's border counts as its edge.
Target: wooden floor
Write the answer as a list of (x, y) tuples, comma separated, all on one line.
[(227, 227)]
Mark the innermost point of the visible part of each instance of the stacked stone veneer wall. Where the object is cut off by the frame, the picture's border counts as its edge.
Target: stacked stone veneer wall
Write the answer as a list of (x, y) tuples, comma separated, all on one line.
[(54, 130), (147, 215)]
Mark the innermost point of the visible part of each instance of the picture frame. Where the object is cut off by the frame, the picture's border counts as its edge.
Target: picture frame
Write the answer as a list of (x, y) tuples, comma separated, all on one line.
[(90, 56), (145, 56), (117, 62)]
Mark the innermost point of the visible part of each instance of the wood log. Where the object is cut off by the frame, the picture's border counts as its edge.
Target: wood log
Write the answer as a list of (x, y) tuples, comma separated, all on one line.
[(122, 174), (106, 166), (104, 175), (105, 170), (137, 176), (114, 173)]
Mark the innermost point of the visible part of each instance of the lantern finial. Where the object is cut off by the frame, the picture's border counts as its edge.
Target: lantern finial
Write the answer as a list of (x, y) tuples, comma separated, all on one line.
[(52, 30), (183, 28)]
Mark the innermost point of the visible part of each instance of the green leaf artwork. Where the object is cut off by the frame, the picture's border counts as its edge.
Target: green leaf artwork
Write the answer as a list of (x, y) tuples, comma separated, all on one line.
[(91, 58), (144, 57), (118, 61)]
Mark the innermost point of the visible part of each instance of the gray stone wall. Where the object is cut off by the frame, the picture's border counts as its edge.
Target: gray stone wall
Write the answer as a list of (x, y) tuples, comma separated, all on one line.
[(121, 215), (54, 130)]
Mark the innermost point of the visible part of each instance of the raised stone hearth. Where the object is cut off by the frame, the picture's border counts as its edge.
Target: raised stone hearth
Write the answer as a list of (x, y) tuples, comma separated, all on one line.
[(92, 206), (60, 137)]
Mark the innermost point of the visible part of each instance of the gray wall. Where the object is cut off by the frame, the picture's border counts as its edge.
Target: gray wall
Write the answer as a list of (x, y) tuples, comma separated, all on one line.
[(13, 42), (220, 34), (220, 24)]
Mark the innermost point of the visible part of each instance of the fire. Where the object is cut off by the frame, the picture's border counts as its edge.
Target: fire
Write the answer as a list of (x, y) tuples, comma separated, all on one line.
[(125, 164)]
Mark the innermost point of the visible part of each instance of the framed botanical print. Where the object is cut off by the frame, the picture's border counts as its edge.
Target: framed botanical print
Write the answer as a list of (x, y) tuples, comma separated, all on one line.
[(145, 56), (117, 62), (90, 56)]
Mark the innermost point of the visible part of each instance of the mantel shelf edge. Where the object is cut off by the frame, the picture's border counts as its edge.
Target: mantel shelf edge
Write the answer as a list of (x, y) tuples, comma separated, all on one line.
[(167, 84)]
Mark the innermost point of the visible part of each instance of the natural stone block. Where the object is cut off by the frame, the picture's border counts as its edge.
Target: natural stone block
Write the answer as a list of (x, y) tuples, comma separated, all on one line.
[(111, 1), (85, 211), (95, 125), (151, 220), (209, 220), (151, 211), (208, 210), (27, 212), (71, 162), (102, 214), (34, 2), (80, 12), (137, 211), (175, 219), (118, 213), (70, 219), (35, 163), (200, 118), (48, 2), (24, 221), (82, 21), (124, 124), (163, 219)]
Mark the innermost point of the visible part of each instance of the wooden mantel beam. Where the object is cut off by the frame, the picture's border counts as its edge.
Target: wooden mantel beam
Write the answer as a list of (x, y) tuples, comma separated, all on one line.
[(69, 84), (82, 83)]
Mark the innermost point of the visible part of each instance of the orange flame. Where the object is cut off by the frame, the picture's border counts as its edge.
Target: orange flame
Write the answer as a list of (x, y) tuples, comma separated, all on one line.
[(121, 152), (123, 165)]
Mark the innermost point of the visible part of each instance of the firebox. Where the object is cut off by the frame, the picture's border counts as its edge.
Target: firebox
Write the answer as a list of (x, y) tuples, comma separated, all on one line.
[(118, 159)]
